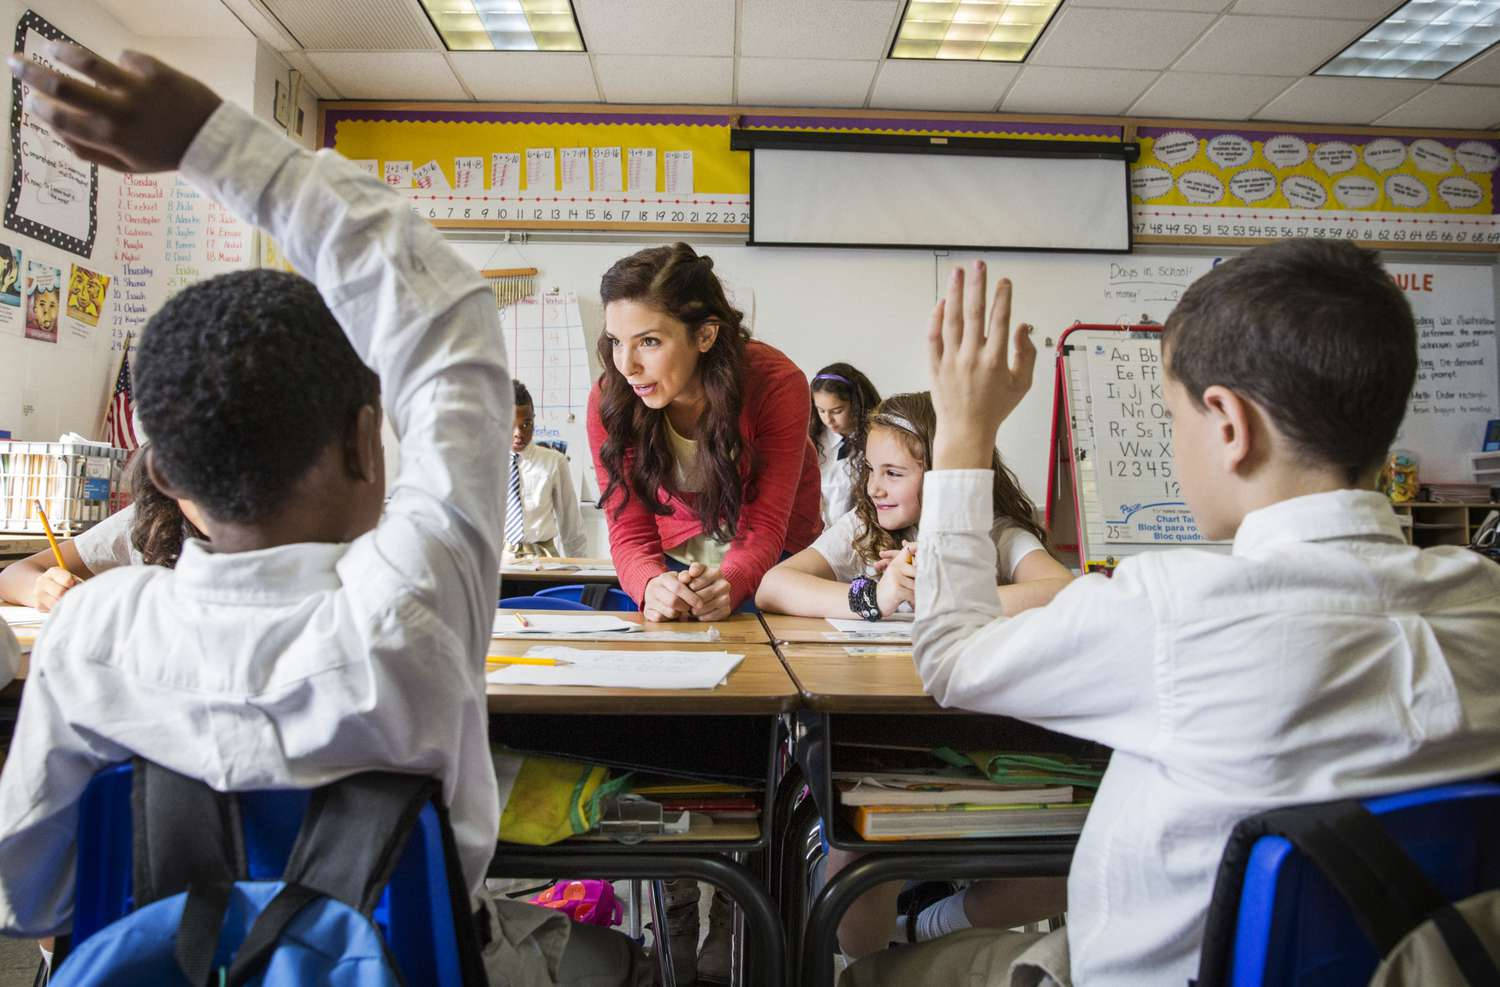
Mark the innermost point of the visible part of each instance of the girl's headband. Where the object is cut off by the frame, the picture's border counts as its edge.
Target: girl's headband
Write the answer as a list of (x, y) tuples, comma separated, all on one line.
[(895, 421), (842, 380)]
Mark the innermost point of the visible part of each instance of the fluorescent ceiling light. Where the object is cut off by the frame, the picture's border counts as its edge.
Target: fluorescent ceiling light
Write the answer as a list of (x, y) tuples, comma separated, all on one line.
[(505, 25), (1424, 39), (973, 30)]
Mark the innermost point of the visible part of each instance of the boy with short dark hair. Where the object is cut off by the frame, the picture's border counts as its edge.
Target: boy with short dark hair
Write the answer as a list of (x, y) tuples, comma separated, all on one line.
[(542, 517), (312, 637), (1322, 658)]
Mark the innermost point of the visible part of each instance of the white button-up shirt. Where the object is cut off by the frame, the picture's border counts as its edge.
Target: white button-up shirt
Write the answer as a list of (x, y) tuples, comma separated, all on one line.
[(297, 665), (1324, 658), (549, 501), (838, 477)]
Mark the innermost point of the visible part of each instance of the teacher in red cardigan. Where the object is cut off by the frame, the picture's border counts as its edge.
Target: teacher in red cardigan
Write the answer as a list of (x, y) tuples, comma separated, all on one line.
[(699, 438)]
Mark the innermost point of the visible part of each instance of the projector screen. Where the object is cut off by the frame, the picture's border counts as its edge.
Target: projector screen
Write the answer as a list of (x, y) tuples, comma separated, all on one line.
[(820, 197)]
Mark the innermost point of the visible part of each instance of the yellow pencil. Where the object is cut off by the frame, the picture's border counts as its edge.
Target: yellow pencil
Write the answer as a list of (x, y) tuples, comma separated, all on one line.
[(521, 619), (521, 660), (51, 538)]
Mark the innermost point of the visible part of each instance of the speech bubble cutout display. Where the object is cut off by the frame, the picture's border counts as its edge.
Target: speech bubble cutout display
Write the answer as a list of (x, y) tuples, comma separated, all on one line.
[(1335, 157), (1285, 151), (1385, 154), (1302, 192), (1175, 148), (1460, 193), (1406, 191), (1200, 187), (1150, 183), (1253, 185), (1230, 150), (1356, 191), (1432, 157), (1478, 157)]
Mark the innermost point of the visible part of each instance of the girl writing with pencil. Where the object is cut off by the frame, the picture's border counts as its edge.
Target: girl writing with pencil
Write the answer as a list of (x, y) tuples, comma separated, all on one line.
[(699, 436), (863, 565), (148, 532)]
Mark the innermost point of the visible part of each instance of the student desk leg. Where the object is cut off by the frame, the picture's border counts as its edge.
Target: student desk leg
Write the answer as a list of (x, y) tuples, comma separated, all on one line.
[(766, 938)]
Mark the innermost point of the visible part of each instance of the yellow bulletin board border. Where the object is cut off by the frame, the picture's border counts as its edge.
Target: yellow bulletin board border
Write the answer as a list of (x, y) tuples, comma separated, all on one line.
[(1417, 189)]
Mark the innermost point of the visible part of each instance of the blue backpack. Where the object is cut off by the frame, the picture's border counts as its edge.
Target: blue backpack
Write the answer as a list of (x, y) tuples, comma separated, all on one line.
[(197, 920)]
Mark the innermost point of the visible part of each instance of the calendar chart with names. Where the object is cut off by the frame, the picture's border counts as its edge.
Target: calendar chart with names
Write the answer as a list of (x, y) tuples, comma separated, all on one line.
[(544, 343)]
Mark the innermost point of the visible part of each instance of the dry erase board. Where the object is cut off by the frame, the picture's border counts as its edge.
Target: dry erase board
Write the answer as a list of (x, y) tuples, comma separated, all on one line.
[(1113, 448)]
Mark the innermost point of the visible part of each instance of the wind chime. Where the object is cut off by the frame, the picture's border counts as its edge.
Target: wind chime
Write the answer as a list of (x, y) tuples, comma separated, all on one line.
[(511, 285)]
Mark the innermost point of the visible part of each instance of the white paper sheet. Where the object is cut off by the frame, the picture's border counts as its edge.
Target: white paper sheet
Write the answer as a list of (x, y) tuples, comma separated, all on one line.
[(575, 170), (893, 627), (505, 171), (679, 168), (541, 176), (622, 669), (607, 172), (563, 622), (22, 616), (641, 169)]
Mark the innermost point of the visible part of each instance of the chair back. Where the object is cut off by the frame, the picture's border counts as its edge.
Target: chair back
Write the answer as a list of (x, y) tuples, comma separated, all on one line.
[(541, 603), (608, 597)]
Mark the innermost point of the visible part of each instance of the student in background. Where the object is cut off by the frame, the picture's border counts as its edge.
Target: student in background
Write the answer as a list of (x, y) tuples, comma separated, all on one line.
[(150, 531), (862, 565), (541, 513), (699, 436), (1322, 658), (313, 636), (842, 398)]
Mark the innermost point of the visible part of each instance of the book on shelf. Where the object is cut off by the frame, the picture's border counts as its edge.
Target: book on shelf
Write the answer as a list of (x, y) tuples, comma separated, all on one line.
[(857, 788), (943, 822)]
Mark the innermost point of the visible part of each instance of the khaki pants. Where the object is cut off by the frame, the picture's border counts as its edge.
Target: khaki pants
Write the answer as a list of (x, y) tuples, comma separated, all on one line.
[(971, 958), (535, 550)]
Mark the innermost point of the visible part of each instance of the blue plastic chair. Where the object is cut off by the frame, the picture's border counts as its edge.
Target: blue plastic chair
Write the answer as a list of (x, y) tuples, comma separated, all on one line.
[(614, 597), (541, 603), (415, 915), (1294, 930)]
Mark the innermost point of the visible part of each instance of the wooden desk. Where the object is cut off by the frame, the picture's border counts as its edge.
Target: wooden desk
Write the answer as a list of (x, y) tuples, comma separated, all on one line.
[(739, 629), (19, 546), (586, 571), (759, 684), (805, 630), (830, 680)]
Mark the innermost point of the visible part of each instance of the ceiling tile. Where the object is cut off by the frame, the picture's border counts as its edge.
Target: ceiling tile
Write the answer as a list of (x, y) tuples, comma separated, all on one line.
[(1122, 39), (1447, 106), (1269, 45), (817, 28), (1335, 99), (665, 79), (1208, 95), (176, 19), (388, 74), (1045, 89), (1205, 6), (1369, 11), (657, 27), (1482, 71), (909, 84), (507, 76), (362, 25), (804, 82)]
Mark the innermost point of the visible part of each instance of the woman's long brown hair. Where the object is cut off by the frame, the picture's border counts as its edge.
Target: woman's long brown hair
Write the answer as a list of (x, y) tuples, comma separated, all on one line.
[(678, 281), (895, 414), (159, 527)]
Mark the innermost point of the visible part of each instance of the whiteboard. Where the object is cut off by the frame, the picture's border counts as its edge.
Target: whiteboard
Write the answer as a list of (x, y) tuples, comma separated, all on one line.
[(896, 199)]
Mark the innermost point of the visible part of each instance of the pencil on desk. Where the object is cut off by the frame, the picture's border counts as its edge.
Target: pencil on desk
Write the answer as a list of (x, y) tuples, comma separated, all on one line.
[(522, 660), (521, 619), (51, 538)]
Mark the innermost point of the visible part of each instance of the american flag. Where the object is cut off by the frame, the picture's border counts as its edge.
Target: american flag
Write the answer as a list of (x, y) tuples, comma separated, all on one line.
[(119, 426)]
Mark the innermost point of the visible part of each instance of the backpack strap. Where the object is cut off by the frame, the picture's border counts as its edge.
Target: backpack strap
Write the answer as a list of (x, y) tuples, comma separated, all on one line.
[(351, 838), (1387, 893), (183, 833), (595, 596)]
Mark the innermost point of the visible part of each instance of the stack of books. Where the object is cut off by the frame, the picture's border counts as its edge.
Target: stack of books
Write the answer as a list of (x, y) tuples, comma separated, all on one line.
[(886, 805)]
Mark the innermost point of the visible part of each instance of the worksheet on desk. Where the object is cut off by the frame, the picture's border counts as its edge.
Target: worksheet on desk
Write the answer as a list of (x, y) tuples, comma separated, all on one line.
[(561, 623), (898, 626), (622, 669)]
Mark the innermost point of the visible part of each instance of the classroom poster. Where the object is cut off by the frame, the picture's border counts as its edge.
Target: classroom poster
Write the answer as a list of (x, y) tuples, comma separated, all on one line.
[(43, 286), (1201, 184), (85, 303), (54, 194), (10, 289)]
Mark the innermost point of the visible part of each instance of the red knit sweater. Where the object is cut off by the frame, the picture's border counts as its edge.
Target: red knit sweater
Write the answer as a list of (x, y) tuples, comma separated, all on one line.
[(783, 517)]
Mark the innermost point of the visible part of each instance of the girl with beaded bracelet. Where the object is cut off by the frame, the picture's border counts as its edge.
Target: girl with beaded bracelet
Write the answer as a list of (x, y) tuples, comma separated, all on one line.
[(863, 564)]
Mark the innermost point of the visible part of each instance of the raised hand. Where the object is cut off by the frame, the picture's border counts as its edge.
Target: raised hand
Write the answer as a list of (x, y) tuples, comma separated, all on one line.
[(140, 115), (979, 374)]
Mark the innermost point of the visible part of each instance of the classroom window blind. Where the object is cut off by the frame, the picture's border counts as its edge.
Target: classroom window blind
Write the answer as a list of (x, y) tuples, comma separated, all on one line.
[(920, 199)]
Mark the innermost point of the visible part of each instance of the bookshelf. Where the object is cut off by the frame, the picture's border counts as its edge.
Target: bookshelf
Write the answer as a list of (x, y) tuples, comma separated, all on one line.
[(1442, 522)]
